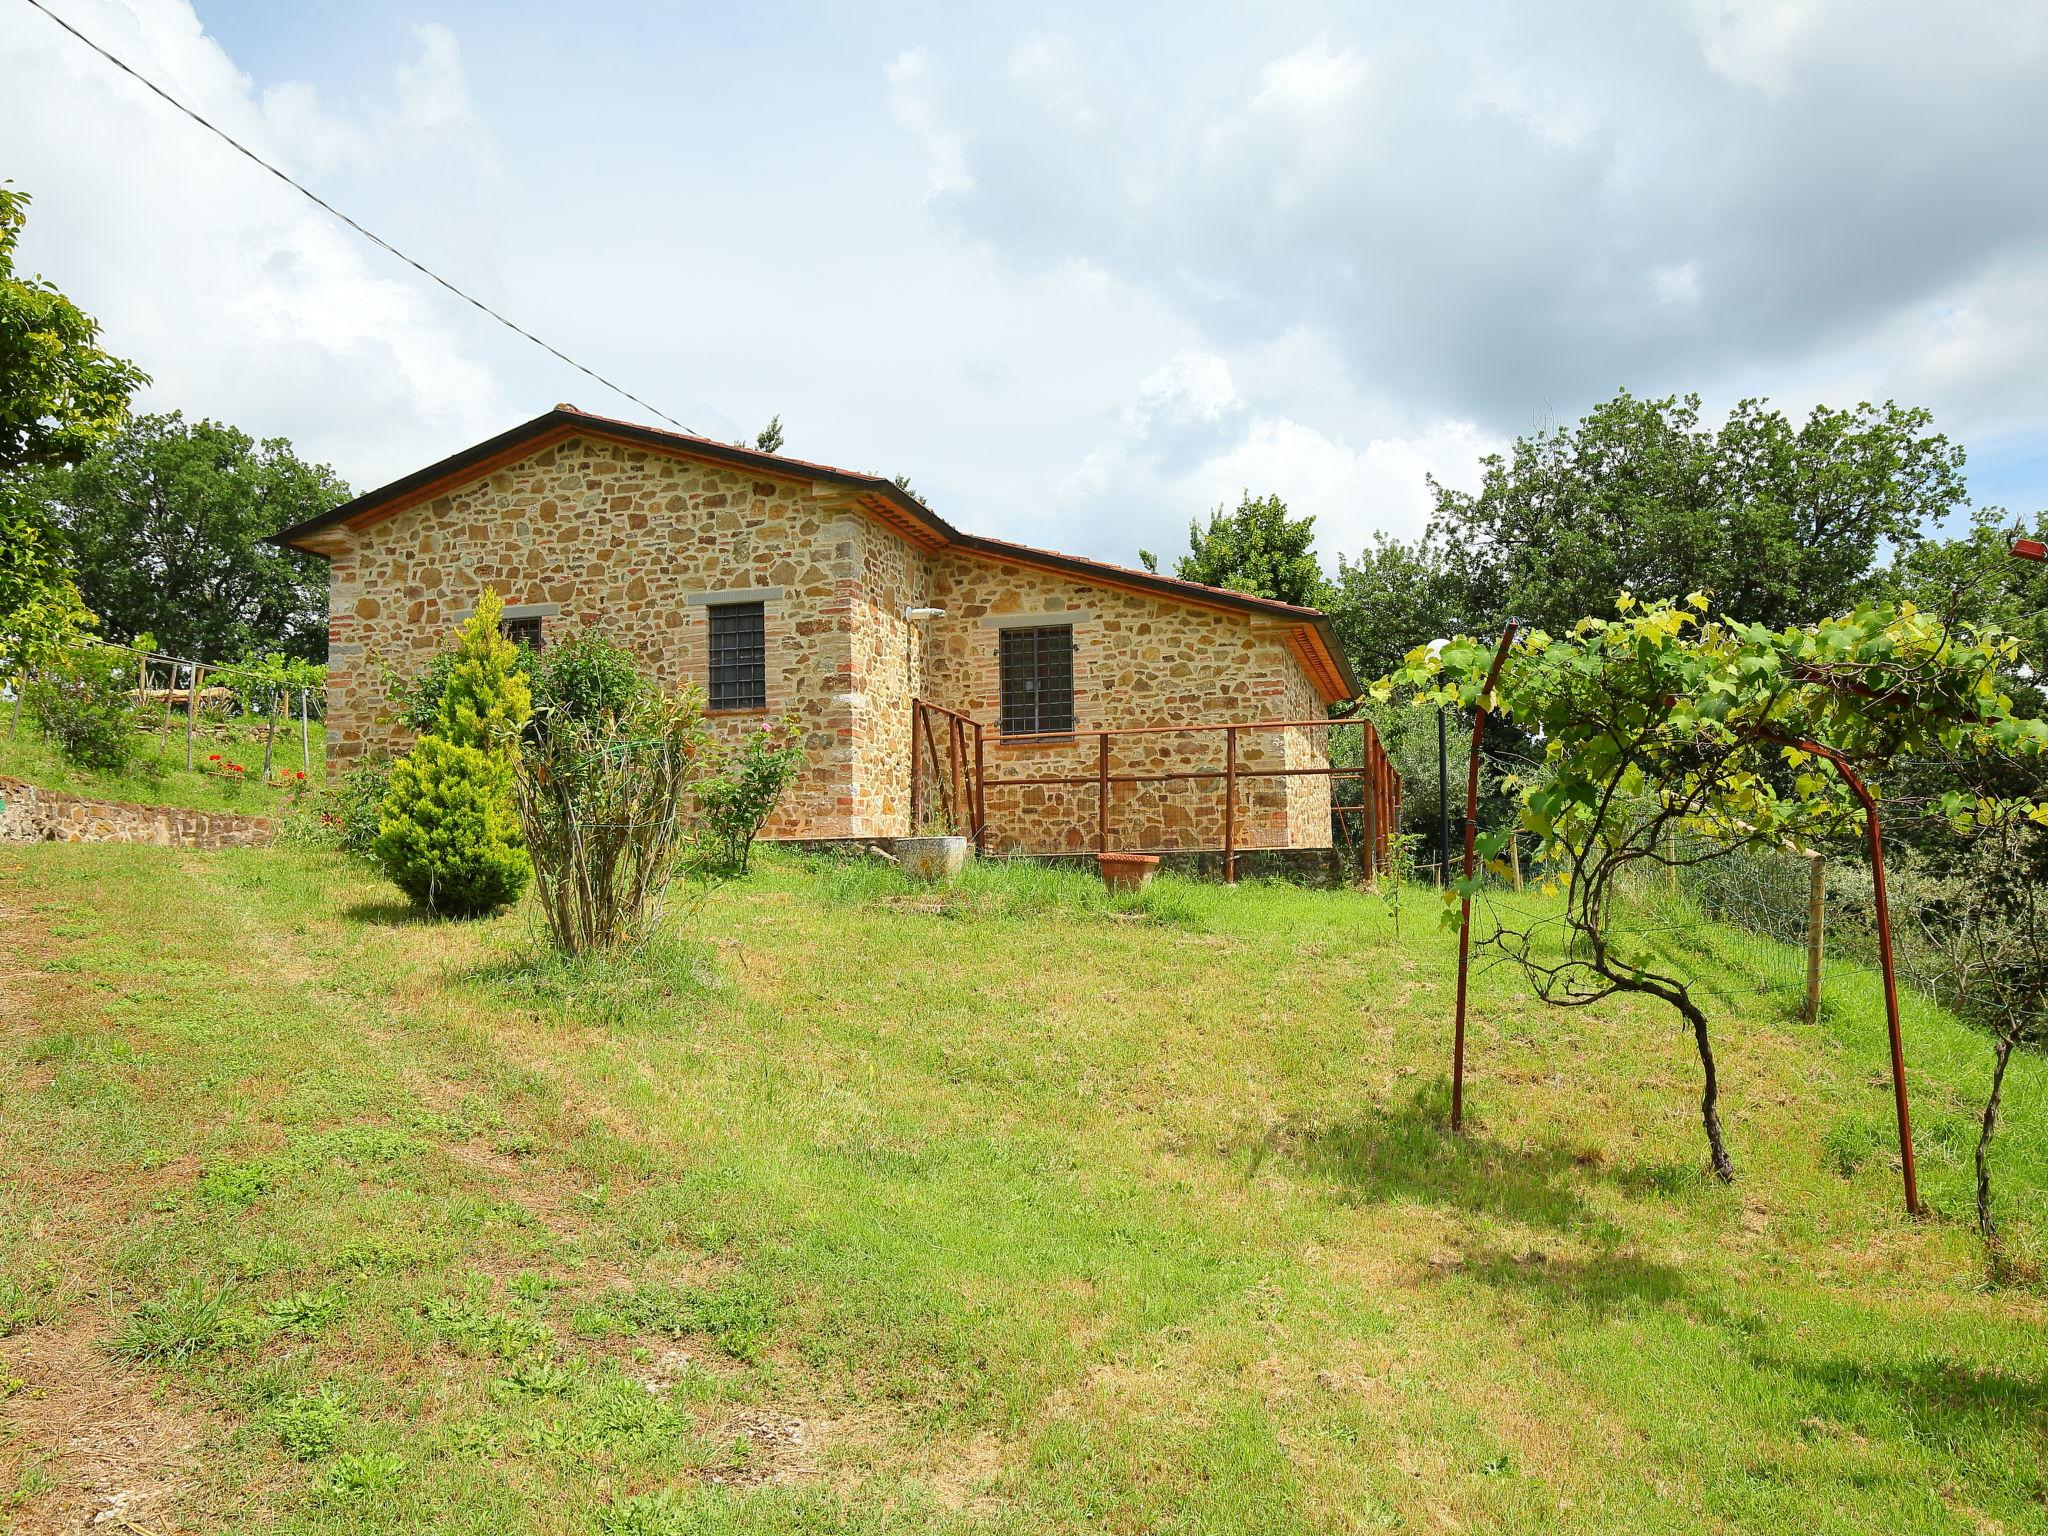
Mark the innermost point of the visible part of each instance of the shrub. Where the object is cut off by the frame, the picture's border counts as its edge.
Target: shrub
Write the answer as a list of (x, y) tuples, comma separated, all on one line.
[(603, 804), (354, 804), (584, 677), (447, 835), (741, 792), (83, 700)]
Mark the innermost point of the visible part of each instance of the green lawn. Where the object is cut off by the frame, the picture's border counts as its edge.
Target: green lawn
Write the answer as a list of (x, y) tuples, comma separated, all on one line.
[(858, 1208), (159, 775)]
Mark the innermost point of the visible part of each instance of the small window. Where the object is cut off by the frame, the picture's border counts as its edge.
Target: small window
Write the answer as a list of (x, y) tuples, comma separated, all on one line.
[(523, 631), (739, 656), (1038, 680)]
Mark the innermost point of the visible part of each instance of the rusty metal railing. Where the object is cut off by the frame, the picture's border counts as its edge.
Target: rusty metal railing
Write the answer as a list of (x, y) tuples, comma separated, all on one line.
[(949, 757)]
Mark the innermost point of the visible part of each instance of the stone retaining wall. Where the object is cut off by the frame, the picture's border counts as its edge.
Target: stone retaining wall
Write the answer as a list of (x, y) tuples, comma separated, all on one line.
[(32, 815)]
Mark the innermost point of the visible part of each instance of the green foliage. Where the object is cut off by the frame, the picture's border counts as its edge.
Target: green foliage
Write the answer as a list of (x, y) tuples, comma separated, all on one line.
[(584, 677), (604, 782), (1257, 549), (1781, 523), (367, 1475), (448, 836), (1660, 720), (737, 1316), (40, 609), (178, 1326), (310, 1427), (355, 805), (416, 698), (168, 526), (61, 393), (769, 438), (84, 701), (305, 1313), (741, 791)]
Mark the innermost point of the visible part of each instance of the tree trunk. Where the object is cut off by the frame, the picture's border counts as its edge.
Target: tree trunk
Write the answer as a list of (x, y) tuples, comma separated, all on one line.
[(1985, 1224), (1710, 1113)]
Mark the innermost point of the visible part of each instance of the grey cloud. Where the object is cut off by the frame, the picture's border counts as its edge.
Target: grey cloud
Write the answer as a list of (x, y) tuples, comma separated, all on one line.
[(1491, 211)]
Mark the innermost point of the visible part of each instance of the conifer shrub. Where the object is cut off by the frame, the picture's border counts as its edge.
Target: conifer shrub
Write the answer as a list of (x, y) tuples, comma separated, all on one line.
[(448, 835)]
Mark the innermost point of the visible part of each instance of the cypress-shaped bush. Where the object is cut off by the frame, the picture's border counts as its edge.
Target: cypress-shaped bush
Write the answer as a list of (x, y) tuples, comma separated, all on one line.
[(448, 835)]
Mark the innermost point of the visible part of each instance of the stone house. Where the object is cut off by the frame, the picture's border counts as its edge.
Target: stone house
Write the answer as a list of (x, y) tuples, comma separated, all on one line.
[(787, 588)]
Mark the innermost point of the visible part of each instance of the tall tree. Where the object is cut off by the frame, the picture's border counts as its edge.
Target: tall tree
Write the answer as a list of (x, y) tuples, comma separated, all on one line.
[(166, 526), (61, 394), (769, 438), (1257, 549), (1781, 523)]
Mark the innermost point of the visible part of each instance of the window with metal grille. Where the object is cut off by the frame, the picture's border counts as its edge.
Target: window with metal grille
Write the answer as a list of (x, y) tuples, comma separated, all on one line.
[(1038, 680), (524, 632), (739, 656)]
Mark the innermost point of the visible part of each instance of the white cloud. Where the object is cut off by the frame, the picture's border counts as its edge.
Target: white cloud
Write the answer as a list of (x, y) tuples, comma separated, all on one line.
[(1754, 43), (241, 299), (914, 105), (1190, 441), (1309, 81)]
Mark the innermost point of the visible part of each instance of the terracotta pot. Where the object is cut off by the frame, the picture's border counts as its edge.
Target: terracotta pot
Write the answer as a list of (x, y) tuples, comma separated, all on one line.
[(1128, 871), (932, 858)]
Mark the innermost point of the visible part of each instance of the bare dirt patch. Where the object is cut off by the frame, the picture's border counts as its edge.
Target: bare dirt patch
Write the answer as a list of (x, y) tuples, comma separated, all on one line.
[(114, 1452)]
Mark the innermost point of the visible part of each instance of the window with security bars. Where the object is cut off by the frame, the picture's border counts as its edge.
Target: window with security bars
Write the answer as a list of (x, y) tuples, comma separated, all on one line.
[(1038, 680), (523, 631), (739, 656)]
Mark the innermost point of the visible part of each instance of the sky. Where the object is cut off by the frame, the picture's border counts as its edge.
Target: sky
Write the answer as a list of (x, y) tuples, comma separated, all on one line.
[(1082, 272)]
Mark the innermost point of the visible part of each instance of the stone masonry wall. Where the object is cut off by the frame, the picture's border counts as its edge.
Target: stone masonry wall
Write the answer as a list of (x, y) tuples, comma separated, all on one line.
[(32, 815), (1139, 660), (633, 541), (622, 538)]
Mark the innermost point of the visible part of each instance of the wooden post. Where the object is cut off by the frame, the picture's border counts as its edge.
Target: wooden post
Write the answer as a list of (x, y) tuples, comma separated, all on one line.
[(1102, 792), (20, 693), (980, 792), (1671, 855), (1816, 908), (192, 710), (163, 730), (305, 737), (270, 736), (1515, 858), (916, 797), (1230, 806)]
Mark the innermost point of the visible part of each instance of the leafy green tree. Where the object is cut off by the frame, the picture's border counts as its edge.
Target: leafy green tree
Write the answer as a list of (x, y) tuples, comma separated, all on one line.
[(1661, 719), (1257, 549), (61, 394), (1392, 598), (448, 835), (1782, 524), (167, 524), (769, 438)]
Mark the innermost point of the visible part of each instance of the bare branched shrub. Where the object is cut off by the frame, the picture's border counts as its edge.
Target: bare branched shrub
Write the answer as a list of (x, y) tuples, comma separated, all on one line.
[(606, 806)]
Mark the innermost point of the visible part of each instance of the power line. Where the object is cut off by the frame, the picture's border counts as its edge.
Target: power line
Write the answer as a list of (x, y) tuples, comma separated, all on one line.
[(373, 238)]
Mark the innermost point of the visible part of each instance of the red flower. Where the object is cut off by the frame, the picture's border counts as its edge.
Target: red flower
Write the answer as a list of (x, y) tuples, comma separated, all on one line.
[(213, 757), (298, 775)]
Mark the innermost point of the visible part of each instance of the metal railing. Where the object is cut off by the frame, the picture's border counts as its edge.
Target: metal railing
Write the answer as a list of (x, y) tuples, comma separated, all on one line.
[(949, 773)]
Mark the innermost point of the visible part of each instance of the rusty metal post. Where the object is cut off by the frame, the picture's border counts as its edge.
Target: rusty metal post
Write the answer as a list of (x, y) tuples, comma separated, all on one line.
[(1816, 911), (1230, 806), (1882, 900), (1500, 655), (956, 756), (916, 797), (980, 792), (1369, 798), (1102, 791)]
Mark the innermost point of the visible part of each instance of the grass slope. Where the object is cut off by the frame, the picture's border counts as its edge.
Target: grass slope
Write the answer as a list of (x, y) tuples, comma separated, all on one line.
[(159, 776), (1010, 1209)]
